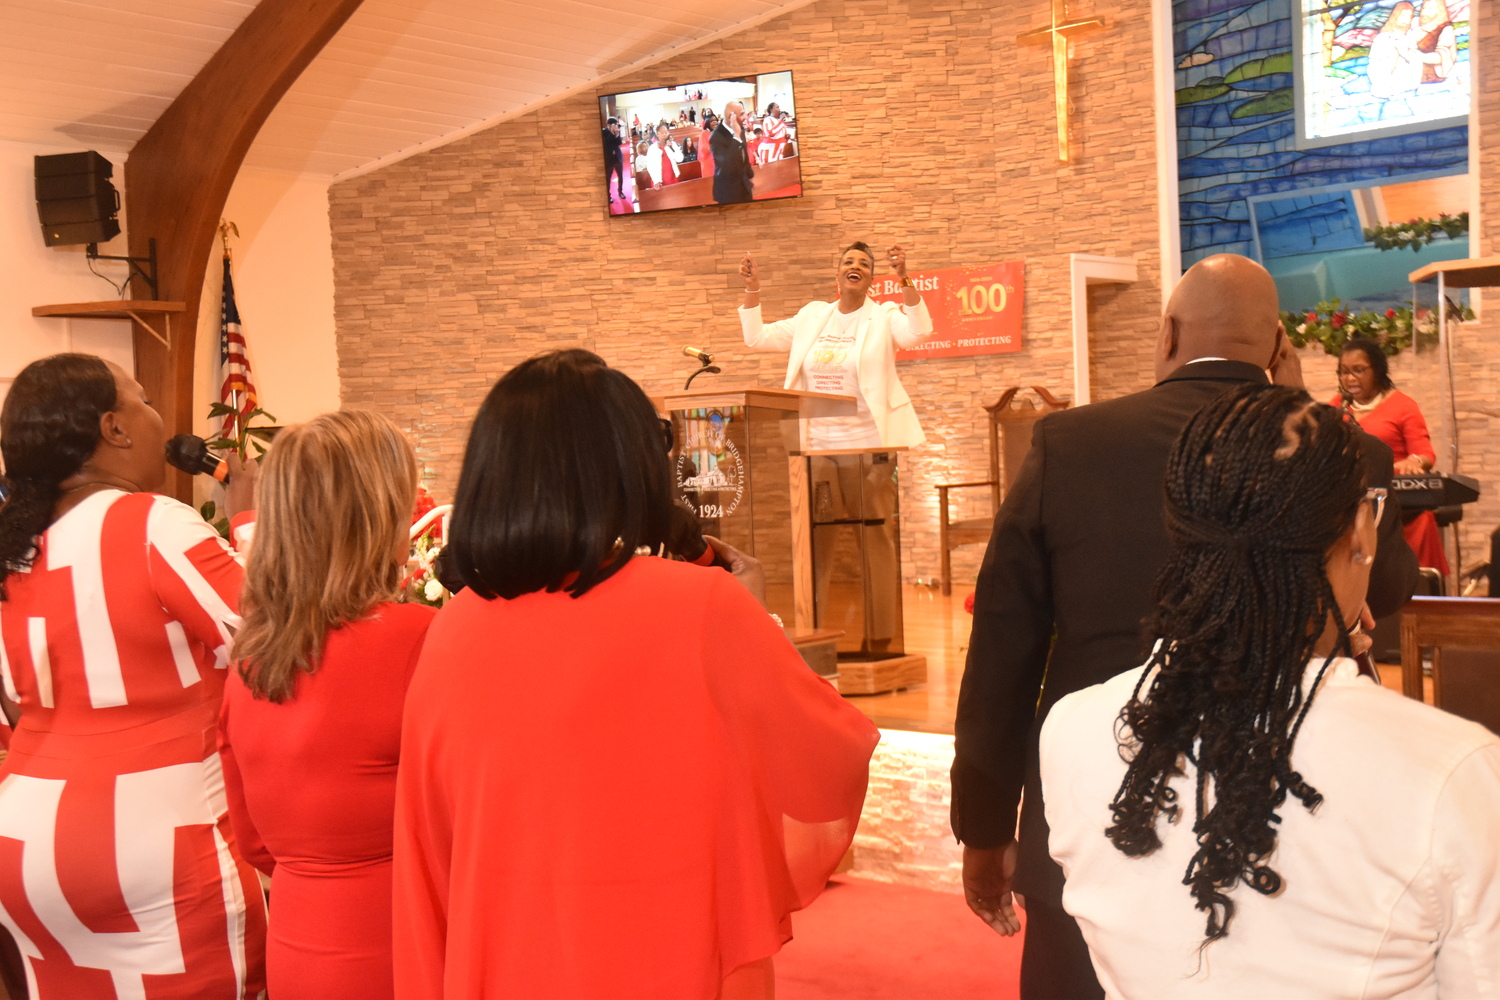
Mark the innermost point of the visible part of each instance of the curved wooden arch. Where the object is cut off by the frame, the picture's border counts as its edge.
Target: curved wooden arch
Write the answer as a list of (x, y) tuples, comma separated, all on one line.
[(178, 177)]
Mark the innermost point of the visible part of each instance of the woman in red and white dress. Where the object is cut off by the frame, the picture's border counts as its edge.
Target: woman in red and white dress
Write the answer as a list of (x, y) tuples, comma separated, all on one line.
[(774, 127), (662, 158), (119, 876)]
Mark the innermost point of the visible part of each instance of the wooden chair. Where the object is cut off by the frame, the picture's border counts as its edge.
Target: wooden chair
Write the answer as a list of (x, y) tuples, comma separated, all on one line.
[(1465, 681), (1009, 441)]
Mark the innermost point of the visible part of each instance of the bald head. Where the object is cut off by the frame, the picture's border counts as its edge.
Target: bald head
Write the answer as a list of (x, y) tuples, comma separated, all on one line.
[(1224, 307)]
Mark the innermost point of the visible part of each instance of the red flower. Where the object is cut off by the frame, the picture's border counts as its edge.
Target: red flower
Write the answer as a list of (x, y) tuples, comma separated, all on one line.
[(1390, 314), (1312, 317), (1337, 322), (969, 604), (425, 503)]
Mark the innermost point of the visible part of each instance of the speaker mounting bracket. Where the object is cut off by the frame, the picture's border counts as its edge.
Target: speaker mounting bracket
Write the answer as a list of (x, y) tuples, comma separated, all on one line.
[(145, 273)]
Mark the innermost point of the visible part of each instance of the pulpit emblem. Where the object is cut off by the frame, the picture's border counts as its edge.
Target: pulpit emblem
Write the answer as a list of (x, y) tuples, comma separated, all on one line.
[(715, 490)]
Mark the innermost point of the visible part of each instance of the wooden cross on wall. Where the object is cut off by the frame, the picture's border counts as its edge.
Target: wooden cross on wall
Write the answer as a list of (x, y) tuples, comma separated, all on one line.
[(1057, 35)]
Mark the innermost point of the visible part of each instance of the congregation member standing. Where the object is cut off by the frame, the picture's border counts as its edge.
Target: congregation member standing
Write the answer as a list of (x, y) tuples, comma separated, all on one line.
[(618, 778), (1246, 815), (732, 169), (119, 875), (705, 145), (614, 159), (1067, 580), (310, 730), (662, 158), (773, 128)]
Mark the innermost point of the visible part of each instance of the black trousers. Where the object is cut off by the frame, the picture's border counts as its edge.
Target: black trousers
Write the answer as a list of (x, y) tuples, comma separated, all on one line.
[(1055, 961)]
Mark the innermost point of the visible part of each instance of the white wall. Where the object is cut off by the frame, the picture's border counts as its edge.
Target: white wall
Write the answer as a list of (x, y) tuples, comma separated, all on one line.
[(283, 283), (34, 274), (283, 270)]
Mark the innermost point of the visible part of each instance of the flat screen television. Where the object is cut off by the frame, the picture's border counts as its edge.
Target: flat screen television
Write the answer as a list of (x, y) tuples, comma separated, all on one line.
[(718, 142), (1371, 68)]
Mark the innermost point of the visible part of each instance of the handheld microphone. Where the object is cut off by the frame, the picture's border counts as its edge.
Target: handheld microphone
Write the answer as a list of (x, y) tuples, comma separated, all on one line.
[(1348, 408), (685, 538), (190, 453), (702, 357)]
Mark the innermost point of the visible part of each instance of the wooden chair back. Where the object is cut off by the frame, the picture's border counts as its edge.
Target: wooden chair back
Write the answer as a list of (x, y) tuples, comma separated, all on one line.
[(1011, 423), (1466, 681), (1009, 440)]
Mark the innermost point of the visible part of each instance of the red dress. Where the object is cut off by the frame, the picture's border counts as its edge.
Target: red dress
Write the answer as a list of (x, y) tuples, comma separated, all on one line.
[(622, 795), (1397, 420), (312, 795), (119, 875)]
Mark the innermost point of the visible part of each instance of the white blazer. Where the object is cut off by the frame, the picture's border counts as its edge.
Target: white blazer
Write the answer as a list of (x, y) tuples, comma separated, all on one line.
[(653, 160), (877, 335)]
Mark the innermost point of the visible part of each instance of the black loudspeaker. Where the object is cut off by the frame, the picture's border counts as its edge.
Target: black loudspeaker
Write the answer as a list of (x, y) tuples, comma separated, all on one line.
[(75, 200)]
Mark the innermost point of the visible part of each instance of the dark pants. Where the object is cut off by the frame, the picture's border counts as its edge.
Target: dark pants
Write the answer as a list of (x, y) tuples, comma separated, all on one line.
[(614, 169), (1055, 961)]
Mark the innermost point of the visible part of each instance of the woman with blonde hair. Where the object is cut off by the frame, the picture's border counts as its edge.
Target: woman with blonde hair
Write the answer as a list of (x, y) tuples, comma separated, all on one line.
[(311, 724)]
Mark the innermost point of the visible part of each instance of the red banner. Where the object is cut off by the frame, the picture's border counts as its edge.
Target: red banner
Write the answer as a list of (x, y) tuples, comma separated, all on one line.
[(975, 310)]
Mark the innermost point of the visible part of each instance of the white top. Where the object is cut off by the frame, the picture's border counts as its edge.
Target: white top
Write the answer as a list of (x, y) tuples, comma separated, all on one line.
[(879, 329), (1391, 889), (833, 366)]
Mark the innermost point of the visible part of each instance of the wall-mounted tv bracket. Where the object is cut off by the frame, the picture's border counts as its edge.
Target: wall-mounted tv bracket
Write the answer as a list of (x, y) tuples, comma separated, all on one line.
[(146, 273)]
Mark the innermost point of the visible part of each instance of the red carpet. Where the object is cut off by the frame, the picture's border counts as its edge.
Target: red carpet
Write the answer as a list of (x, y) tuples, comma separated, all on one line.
[(866, 940)]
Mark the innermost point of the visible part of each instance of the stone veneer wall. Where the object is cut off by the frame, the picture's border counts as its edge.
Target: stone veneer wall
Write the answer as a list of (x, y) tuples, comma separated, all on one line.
[(922, 123), (903, 832), (1477, 346)]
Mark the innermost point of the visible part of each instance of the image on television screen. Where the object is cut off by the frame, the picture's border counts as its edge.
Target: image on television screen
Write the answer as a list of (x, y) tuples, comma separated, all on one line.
[(719, 142), (1380, 67)]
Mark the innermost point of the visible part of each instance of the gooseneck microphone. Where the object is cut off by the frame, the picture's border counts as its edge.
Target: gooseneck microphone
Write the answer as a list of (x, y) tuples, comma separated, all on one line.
[(190, 453), (702, 357)]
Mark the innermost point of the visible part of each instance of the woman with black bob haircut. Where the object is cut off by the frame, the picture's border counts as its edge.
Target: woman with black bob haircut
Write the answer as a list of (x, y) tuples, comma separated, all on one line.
[(564, 478), (618, 778), (1380, 878)]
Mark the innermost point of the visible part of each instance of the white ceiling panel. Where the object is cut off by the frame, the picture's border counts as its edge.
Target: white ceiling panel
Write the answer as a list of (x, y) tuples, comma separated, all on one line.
[(402, 75)]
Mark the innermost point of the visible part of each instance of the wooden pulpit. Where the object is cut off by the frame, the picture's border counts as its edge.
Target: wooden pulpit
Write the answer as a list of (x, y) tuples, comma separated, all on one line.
[(734, 458)]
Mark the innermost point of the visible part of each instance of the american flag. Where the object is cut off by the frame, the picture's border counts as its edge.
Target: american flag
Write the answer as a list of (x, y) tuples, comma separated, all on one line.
[(236, 390)]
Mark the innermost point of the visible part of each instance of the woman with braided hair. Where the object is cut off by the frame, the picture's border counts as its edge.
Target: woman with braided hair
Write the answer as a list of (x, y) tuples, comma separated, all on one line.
[(1334, 838)]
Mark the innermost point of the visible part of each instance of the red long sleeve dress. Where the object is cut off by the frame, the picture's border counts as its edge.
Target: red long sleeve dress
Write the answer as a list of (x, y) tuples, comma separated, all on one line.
[(622, 795), (312, 797), (119, 875), (1397, 420)]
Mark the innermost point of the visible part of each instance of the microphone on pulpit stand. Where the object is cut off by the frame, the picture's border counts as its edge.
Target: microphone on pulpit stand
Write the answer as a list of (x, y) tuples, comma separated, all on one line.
[(703, 358), (190, 453)]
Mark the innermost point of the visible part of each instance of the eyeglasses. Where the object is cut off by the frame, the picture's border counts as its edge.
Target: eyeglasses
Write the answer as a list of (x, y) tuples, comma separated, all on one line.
[(1358, 371), (1377, 495)]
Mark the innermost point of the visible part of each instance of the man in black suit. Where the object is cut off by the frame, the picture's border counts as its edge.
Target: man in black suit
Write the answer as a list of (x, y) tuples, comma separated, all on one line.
[(731, 161), (614, 160), (1068, 578)]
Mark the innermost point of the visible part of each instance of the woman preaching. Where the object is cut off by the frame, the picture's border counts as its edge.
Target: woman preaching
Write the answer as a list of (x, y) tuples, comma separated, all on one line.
[(848, 346)]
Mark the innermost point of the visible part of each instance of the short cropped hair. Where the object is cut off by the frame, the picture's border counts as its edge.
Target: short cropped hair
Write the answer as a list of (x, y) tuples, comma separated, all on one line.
[(862, 247), (564, 478)]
